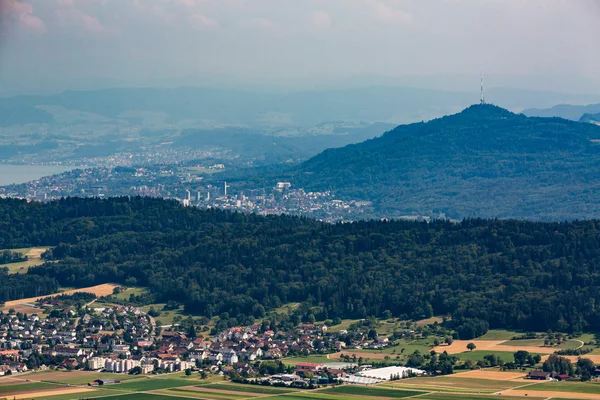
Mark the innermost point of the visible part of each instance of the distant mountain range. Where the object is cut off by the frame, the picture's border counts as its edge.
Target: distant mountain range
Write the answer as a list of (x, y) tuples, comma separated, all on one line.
[(221, 106), (482, 162), (566, 111)]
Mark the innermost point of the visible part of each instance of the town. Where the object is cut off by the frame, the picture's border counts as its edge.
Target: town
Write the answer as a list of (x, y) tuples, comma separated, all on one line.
[(71, 333), (189, 186)]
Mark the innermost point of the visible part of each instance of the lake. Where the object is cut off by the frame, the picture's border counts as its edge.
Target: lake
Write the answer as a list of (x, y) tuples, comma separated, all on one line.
[(25, 173)]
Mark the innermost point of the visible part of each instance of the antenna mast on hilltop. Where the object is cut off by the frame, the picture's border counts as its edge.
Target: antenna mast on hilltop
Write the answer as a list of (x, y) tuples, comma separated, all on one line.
[(482, 101)]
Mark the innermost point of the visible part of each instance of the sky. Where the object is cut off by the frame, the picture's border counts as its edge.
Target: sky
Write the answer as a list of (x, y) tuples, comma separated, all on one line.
[(60, 44)]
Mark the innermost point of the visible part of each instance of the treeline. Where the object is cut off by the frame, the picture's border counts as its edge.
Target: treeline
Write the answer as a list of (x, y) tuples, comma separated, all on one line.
[(485, 273), (22, 286), (9, 257)]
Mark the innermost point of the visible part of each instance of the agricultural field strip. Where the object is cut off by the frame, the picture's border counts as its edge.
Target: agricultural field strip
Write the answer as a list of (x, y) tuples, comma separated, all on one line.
[(98, 290), (27, 386), (213, 395), (249, 388), (566, 387), (443, 389), (210, 390)]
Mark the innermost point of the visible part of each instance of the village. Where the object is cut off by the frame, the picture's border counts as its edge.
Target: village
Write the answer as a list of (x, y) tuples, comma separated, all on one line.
[(125, 340)]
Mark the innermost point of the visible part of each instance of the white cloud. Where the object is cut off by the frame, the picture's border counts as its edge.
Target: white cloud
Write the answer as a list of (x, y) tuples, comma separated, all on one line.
[(388, 12), (19, 14), (321, 19), (202, 21)]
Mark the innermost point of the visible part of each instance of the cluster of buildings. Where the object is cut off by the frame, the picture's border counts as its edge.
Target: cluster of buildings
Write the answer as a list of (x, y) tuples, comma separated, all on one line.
[(187, 186), (121, 339), (70, 338)]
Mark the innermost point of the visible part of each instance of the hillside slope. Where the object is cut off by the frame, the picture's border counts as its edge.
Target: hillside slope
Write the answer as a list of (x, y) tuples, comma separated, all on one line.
[(595, 118), (527, 275), (484, 161)]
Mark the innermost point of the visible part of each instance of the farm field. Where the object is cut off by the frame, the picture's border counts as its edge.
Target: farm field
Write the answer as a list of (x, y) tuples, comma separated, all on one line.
[(315, 396), (405, 347), (73, 395), (455, 384), (166, 317), (33, 259), (20, 386), (75, 377), (98, 290), (470, 385), (250, 388), (570, 387), (39, 390), (569, 344), (499, 334), (214, 394), (314, 358), (124, 294), (460, 346), (371, 392), (144, 396), (477, 355), (429, 321), (147, 384), (491, 374), (445, 396), (593, 357)]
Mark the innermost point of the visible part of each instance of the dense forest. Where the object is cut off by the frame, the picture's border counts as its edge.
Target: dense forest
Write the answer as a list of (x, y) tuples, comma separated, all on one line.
[(482, 162), (484, 273)]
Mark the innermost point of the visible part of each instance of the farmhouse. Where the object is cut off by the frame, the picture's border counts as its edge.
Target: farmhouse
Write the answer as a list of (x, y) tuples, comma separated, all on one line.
[(539, 375), (302, 368)]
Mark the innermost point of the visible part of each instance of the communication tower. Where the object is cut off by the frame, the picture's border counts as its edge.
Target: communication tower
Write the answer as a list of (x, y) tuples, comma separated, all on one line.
[(482, 100)]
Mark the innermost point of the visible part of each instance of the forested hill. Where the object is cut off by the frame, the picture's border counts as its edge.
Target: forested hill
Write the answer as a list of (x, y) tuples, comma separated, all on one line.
[(482, 162), (534, 276), (590, 118)]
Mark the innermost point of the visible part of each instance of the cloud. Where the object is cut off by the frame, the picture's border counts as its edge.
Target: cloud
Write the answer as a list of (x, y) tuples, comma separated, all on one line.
[(321, 19), (387, 12), (18, 14), (261, 22), (202, 21), (68, 14)]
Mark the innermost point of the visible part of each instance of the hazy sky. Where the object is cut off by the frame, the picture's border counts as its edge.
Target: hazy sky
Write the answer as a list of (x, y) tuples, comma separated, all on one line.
[(54, 42)]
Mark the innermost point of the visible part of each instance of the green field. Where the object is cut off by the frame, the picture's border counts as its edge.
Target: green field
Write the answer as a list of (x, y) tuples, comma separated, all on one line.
[(454, 384), (314, 358), (78, 379), (7, 389), (499, 334), (367, 391), (286, 308), (569, 344), (443, 396), (343, 326), (573, 387), (524, 342), (476, 355), (313, 396), (23, 267), (205, 395), (142, 385), (124, 295), (250, 388), (165, 317), (143, 396)]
